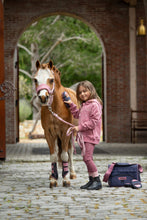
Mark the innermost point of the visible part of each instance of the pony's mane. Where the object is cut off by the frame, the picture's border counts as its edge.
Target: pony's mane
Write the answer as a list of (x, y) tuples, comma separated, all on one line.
[(55, 69)]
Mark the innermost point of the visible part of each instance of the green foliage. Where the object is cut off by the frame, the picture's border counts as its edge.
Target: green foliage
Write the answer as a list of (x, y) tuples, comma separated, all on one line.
[(25, 110), (71, 79), (25, 87), (77, 59)]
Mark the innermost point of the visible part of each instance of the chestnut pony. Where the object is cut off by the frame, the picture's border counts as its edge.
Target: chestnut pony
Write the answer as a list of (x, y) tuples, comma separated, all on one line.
[(49, 90)]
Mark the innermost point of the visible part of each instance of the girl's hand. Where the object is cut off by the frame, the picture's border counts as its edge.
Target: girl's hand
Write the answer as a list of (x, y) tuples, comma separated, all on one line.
[(68, 102), (75, 129), (66, 98)]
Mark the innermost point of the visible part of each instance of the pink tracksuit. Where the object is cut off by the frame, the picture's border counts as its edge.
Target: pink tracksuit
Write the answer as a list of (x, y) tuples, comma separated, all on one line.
[(90, 121)]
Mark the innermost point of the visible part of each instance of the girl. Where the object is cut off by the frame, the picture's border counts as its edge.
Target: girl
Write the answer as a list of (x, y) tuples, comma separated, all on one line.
[(90, 120)]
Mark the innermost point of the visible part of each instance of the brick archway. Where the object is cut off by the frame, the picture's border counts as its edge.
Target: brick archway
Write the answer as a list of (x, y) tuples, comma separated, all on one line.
[(110, 19)]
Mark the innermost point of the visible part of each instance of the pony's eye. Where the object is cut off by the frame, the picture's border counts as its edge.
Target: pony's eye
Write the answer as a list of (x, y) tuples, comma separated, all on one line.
[(51, 80), (35, 81)]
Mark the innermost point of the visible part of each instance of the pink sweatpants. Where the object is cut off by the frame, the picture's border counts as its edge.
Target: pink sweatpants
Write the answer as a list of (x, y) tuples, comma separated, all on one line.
[(88, 159)]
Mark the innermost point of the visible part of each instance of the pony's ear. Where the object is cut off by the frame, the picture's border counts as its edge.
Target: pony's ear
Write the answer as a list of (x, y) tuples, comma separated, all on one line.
[(50, 64), (37, 64)]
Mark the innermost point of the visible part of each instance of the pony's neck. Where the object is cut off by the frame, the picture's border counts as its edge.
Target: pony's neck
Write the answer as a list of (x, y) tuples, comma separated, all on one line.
[(57, 81), (57, 98)]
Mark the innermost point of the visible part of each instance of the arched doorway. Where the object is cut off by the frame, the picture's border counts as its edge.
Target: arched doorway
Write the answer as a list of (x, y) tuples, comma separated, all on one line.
[(77, 64)]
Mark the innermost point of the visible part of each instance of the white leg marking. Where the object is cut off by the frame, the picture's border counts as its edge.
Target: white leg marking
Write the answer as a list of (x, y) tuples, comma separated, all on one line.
[(54, 157), (64, 156)]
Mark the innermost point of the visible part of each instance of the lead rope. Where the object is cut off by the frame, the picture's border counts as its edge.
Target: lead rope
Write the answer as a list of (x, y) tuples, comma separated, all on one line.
[(79, 136)]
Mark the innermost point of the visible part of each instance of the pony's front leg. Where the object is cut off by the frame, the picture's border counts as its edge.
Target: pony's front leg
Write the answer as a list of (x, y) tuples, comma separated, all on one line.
[(54, 175), (54, 159), (66, 181), (65, 171)]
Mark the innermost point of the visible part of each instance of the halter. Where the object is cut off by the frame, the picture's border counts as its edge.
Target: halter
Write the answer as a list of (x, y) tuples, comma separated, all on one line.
[(44, 86), (50, 91)]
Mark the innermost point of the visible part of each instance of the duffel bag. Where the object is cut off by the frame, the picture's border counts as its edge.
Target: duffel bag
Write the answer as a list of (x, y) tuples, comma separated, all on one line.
[(122, 174)]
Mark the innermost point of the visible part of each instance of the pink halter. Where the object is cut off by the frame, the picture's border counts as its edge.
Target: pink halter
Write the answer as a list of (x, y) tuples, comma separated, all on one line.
[(50, 91), (44, 86)]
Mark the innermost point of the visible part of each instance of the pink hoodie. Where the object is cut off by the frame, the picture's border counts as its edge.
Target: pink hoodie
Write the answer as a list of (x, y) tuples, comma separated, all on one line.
[(90, 120)]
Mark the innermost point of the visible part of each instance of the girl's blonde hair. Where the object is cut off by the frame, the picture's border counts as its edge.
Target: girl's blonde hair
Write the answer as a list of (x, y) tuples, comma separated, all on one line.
[(88, 85)]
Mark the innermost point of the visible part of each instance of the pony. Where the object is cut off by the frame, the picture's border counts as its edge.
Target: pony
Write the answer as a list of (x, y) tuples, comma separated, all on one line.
[(49, 91)]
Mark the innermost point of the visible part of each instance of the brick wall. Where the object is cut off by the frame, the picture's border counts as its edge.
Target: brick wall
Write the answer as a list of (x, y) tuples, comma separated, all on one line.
[(141, 60), (110, 20)]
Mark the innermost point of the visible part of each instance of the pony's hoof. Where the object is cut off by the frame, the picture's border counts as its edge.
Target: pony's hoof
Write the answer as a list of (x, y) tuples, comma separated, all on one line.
[(66, 183), (73, 176), (53, 183), (50, 177)]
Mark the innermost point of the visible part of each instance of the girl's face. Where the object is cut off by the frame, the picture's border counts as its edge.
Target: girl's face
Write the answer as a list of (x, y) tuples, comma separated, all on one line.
[(84, 93)]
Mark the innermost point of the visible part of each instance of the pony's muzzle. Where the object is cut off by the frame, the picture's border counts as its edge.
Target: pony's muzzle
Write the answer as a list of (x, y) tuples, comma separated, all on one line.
[(43, 99), (43, 96)]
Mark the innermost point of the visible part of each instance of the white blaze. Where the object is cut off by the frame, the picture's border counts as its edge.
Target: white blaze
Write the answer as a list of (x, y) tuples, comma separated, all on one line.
[(42, 76)]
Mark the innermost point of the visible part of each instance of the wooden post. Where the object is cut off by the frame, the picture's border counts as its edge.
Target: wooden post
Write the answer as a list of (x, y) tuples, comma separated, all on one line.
[(2, 77)]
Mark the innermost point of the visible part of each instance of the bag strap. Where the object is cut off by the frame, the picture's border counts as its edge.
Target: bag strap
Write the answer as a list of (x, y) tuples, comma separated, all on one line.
[(140, 168), (108, 173)]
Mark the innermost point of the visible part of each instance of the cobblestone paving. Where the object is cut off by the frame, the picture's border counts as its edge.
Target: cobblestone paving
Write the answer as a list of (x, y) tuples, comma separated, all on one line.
[(25, 192)]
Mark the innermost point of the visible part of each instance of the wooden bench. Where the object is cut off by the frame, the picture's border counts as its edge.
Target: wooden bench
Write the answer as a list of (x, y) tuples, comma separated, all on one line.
[(138, 123)]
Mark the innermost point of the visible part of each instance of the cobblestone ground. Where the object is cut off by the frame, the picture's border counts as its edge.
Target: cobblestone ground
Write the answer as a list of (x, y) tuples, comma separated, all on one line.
[(25, 192)]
